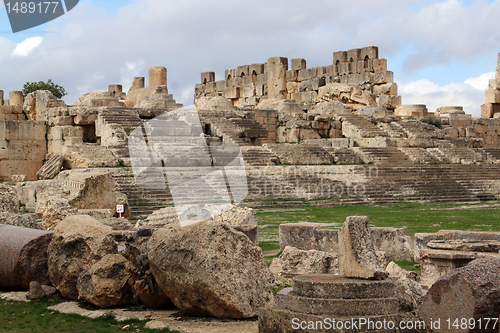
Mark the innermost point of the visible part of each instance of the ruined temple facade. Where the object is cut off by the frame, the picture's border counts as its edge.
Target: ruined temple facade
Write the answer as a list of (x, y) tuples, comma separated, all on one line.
[(280, 112), (280, 79)]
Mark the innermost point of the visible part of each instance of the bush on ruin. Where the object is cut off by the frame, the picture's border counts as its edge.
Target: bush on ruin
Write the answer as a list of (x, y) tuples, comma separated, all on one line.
[(55, 89)]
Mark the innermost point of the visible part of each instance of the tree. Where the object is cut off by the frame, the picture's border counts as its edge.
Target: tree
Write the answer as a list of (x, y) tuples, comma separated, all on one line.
[(55, 89)]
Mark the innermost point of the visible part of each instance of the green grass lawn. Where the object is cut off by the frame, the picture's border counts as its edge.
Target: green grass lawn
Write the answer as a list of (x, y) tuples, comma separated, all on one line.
[(34, 317), (413, 217)]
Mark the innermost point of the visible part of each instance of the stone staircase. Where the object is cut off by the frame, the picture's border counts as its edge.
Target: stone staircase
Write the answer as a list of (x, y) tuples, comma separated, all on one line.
[(420, 156), (360, 127), (383, 156), (493, 155), (459, 155), (295, 154), (419, 129), (259, 156), (343, 155), (236, 130)]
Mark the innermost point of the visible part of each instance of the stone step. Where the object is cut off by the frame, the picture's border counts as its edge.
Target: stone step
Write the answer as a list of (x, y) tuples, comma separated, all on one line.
[(277, 319), (335, 286), (343, 307)]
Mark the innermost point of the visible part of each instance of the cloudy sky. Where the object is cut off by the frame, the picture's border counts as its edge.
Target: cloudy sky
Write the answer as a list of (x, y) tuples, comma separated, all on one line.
[(442, 52)]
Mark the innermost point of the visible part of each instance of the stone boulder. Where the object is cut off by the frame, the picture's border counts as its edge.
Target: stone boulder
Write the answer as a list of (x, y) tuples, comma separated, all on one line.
[(79, 241), (99, 99), (9, 201), (210, 270), (471, 292), (38, 291), (107, 283), (20, 220), (51, 168), (357, 257), (53, 210)]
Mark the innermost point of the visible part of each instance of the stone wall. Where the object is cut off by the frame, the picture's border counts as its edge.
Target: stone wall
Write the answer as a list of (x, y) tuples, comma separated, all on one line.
[(246, 86), (23, 144)]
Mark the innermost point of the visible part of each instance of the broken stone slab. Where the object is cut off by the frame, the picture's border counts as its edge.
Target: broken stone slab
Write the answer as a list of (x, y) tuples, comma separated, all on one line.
[(23, 257), (357, 257), (466, 245), (51, 168), (471, 292), (107, 283), (53, 210), (78, 242), (210, 270), (406, 288), (281, 296)]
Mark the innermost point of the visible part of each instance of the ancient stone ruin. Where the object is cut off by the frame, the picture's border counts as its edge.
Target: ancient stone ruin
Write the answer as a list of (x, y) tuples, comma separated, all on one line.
[(339, 133)]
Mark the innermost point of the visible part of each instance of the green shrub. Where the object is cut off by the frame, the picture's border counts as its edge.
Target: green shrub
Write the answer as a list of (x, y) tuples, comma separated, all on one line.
[(55, 89)]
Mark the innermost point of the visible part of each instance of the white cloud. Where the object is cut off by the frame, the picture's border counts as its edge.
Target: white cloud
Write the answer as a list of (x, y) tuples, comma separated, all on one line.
[(27, 46), (190, 37), (469, 94)]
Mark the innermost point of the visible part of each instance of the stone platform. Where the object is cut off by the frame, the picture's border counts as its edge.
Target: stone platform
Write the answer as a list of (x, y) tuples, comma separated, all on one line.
[(331, 303)]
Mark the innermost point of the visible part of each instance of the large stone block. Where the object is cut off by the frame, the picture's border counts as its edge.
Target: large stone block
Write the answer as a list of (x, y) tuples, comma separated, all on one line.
[(256, 69), (492, 96), (389, 101), (157, 76), (308, 236), (210, 270), (16, 98), (232, 93), (207, 77), (298, 64), (357, 257), (385, 89), (305, 97), (353, 55), (369, 53), (379, 65), (383, 77), (306, 74)]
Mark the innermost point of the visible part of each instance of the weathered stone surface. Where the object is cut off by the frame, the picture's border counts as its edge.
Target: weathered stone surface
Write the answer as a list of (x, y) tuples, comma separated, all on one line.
[(408, 290), (20, 220), (308, 236), (281, 296), (23, 257), (159, 218), (35, 291), (99, 99), (53, 210), (134, 96), (88, 156), (357, 257), (329, 108), (293, 262), (117, 224), (8, 199), (236, 216), (214, 103), (79, 241), (466, 245), (471, 292), (38, 103), (122, 199), (394, 242), (51, 168), (210, 270), (107, 283), (146, 289)]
